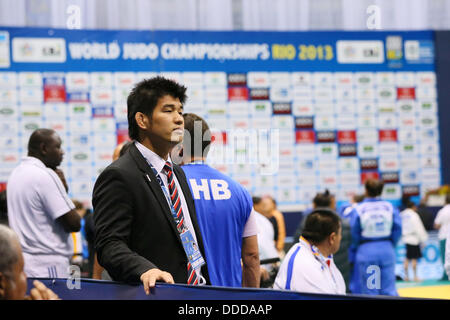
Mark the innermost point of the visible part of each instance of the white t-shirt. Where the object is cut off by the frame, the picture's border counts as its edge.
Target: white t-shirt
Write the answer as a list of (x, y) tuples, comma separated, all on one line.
[(306, 270), (266, 243), (443, 219), (413, 231), (36, 198)]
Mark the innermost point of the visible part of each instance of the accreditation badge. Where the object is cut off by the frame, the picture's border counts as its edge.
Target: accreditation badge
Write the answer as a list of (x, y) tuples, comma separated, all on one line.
[(192, 250)]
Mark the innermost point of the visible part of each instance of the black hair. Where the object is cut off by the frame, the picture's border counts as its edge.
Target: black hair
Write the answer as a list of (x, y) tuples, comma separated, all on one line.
[(374, 187), (144, 98), (406, 202), (320, 224), (256, 200), (192, 123), (41, 135), (323, 199)]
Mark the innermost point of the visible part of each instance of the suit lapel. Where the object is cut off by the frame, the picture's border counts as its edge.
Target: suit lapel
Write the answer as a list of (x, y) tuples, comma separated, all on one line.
[(155, 187)]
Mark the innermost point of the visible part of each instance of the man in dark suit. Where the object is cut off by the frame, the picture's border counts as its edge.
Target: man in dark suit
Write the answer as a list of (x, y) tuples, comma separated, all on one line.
[(146, 226)]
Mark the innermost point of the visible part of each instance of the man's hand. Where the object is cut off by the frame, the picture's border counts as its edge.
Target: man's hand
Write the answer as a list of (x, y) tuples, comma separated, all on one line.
[(41, 292), (60, 174), (150, 277)]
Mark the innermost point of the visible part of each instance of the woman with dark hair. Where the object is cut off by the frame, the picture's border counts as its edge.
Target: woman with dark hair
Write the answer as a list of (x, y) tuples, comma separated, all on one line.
[(309, 265)]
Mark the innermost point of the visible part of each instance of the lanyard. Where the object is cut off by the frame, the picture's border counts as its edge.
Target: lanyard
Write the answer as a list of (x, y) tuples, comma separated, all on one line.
[(166, 194), (323, 261)]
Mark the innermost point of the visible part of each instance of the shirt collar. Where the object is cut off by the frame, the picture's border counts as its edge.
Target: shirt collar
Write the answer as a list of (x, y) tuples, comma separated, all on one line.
[(156, 161), (315, 251), (34, 161)]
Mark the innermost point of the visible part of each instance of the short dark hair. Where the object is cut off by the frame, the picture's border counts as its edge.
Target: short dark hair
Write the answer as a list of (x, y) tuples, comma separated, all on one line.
[(41, 135), (407, 203), (323, 199), (320, 224), (190, 121), (144, 98), (374, 187), (256, 200)]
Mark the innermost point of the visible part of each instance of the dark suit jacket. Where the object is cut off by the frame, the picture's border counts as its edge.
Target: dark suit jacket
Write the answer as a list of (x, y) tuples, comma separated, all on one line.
[(135, 230)]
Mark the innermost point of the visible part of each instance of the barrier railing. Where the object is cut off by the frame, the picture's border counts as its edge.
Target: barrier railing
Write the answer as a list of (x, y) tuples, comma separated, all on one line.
[(89, 289)]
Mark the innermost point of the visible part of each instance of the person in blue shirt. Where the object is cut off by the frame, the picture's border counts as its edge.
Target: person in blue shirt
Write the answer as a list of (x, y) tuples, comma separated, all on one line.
[(375, 230), (224, 212)]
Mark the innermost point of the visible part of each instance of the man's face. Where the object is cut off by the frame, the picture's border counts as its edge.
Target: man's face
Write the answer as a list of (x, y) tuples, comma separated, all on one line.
[(166, 122), (15, 285), (336, 241), (52, 151)]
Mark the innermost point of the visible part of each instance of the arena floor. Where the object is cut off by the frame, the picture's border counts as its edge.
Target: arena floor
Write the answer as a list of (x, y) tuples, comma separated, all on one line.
[(426, 289)]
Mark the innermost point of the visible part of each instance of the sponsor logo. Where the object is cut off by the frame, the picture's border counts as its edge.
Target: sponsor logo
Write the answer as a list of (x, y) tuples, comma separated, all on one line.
[(394, 47), (237, 79), (326, 136), (102, 112), (390, 177), (259, 94), (304, 122), (406, 93), (347, 150), (346, 136), (77, 96), (411, 190), (48, 50), (369, 175), (305, 136), (6, 111), (54, 94), (387, 135), (369, 164), (258, 80), (360, 51), (80, 156), (31, 126), (281, 108)]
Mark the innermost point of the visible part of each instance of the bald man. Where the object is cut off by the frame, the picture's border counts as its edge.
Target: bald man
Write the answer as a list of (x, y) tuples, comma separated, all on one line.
[(39, 208), (13, 280)]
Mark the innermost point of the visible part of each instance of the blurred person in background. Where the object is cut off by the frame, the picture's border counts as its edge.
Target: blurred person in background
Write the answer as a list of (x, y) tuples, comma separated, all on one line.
[(442, 223), (413, 235), (266, 247), (375, 230), (39, 208), (281, 234)]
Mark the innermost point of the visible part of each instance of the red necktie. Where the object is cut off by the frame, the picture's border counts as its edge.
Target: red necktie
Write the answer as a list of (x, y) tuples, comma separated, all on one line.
[(179, 218)]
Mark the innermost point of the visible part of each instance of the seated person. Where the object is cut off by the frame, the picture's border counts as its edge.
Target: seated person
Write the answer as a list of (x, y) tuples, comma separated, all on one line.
[(13, 280), (309, 265)]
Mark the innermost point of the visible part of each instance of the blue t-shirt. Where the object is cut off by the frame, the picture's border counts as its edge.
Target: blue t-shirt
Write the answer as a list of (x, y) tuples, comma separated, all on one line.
[(223, 207)]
